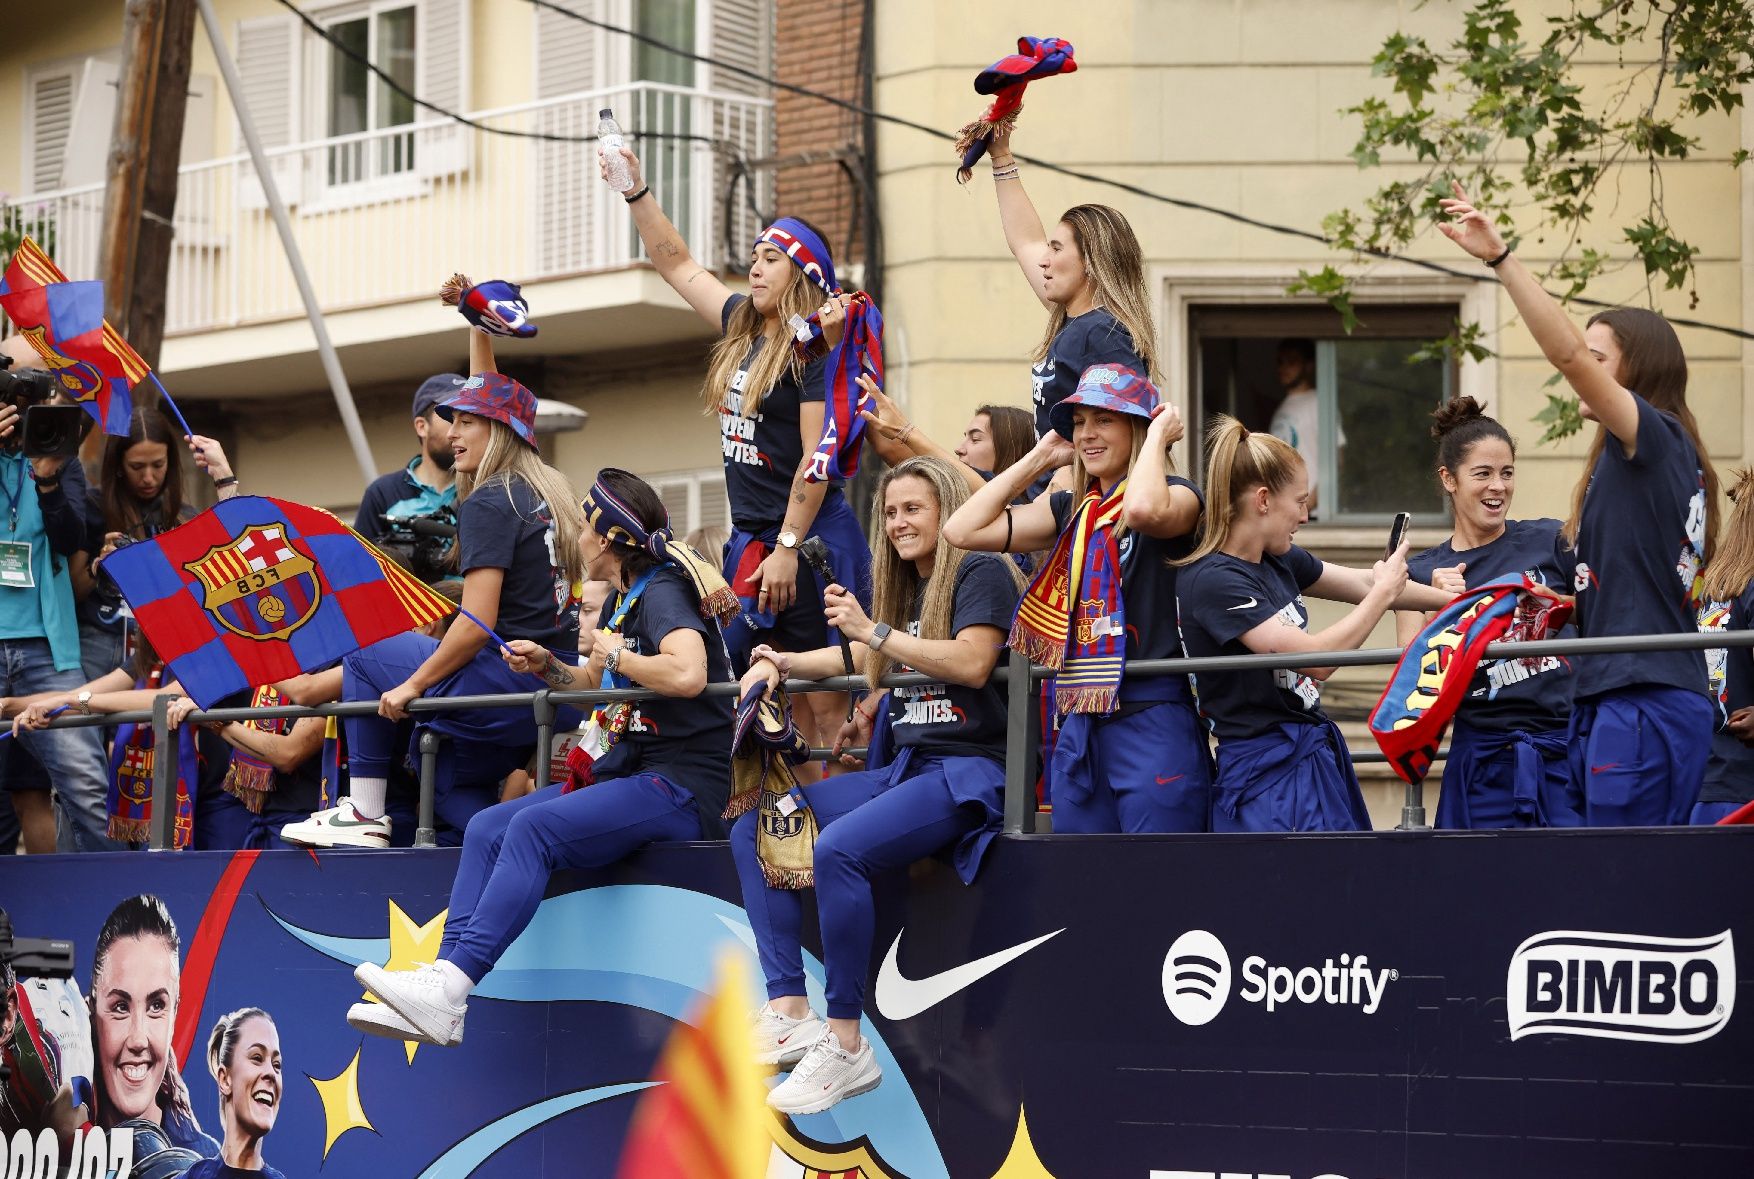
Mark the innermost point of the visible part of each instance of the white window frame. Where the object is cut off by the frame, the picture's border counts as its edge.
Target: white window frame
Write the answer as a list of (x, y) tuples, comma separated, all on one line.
[(698, 485), (72, 67), (411, 181)]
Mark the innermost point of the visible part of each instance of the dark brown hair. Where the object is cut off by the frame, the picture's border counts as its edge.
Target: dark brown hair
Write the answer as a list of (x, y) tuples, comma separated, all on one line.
[(143, 917), (1457, 425), (1013, 432), (122, 511)]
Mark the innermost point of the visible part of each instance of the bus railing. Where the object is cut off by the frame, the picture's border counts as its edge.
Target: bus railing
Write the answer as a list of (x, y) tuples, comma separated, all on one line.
[(1021, 678)]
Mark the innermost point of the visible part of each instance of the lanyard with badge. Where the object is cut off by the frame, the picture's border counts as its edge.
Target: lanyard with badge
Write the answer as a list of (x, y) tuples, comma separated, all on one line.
[(15, 562)]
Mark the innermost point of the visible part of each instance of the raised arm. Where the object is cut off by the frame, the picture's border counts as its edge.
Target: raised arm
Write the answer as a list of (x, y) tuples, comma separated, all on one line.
[(1277, 637), (1024, 235), (982, 524), (1151, 505), (1558, 336), (699, 287), (1341, 583), (898, 439)]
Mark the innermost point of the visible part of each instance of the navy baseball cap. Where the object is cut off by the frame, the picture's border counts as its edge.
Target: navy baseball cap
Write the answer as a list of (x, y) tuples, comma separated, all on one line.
[(436, 390)]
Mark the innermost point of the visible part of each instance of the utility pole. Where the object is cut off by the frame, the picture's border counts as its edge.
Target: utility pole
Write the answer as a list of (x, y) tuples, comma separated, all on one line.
[(140, 195)]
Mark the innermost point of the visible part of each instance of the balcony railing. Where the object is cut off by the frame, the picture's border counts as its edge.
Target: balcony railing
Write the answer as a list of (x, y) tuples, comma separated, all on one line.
[(380, 214)]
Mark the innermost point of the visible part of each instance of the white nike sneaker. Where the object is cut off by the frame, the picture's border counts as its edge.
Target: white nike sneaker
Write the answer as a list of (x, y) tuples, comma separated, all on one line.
[(418, 996), (827, 1075), (782, 1040), (378, 1019), (339, 826)]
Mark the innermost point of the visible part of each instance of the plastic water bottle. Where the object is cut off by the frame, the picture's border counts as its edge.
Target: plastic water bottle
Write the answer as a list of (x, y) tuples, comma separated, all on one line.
[(609, 147)]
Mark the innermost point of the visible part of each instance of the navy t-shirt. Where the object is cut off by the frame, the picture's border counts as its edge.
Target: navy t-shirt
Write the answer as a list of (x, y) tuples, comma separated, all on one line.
[(686, 740), (1148, 584), (503, 525), (1220, 598), (1514, 695), (762, 453), (1096, 337), (1640, 548), (1729, 771), (949, 720)]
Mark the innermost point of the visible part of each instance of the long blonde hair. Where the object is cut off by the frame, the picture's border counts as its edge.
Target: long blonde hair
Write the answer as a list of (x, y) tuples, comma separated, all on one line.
[(509, 457), (1238, 461), (774, 357), (1116, 267), (895, 582), (1732, 567)]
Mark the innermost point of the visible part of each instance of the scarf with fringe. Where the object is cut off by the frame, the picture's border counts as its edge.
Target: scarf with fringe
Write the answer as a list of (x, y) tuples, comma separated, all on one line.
[(248, 778), (1007, 78), (616, 522), (129, 800), (1072, 617), (765, 746)]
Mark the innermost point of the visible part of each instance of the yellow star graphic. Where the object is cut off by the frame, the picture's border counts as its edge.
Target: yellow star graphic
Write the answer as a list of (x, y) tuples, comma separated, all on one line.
[(412, 945), (342, 1110), (1022, 1162)]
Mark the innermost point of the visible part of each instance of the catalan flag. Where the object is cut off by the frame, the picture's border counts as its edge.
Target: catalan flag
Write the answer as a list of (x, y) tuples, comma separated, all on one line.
[(256, 590), (706, 1117), (64, 321)]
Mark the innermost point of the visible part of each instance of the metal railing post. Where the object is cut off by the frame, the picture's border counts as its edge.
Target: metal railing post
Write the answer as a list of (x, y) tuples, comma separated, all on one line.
[(544, 710), (1019, 712), (424, 834), (1413, 810), (162, 835)]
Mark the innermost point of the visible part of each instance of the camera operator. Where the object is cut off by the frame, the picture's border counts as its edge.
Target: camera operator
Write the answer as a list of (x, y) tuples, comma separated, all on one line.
[(41, 528), (414, 510)]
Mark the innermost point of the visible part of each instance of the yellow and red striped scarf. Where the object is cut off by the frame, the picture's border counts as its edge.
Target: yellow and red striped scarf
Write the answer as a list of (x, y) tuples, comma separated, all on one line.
[(1080, 576)]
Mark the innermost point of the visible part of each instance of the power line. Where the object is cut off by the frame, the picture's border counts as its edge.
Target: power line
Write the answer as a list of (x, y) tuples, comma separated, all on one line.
[(1076, 174)]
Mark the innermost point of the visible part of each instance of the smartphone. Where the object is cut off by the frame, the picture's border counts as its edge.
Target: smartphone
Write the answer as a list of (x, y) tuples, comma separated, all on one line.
[(1398, 532), (51, 431)]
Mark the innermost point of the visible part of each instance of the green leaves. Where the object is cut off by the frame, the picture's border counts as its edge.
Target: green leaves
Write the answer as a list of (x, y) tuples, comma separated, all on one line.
[(1331, 285), (1562, 417)]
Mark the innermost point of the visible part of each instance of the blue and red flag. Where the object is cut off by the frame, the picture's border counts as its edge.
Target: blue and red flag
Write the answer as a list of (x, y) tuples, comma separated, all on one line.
[(860, 351), (1434, 674), (257, 590)]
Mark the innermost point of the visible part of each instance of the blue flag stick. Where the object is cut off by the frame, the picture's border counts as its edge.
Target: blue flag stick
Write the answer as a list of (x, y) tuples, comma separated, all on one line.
[(503, 645), (168, 400), (53, 713)]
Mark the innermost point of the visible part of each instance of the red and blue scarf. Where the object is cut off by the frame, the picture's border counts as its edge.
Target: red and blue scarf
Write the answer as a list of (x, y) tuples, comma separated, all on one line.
[(859, 351), (129, 801), (1432, 678), (1007, 78), (1072, 617), (248, 778)]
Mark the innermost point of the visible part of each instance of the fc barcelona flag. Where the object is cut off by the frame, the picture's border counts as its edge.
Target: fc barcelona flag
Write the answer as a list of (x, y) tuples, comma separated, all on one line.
[(256, 590), (64, 321)]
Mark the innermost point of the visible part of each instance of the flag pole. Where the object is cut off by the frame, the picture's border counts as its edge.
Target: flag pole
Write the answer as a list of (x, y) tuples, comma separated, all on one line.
[(313, 312), (165, 395)]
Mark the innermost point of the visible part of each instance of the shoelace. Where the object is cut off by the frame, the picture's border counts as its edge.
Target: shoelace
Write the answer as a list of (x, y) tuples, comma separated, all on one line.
[(820, 1054)]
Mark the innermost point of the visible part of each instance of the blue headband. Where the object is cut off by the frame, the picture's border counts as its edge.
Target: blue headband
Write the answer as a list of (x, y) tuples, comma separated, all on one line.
[(807, 251)]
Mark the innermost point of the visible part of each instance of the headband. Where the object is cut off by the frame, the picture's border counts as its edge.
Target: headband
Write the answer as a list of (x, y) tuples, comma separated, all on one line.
[(611, 518), (807, 251)]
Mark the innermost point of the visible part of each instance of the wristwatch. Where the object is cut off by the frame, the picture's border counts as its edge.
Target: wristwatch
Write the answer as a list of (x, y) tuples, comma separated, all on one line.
[(787, 540), (879, 635), (83, 702), (612, 661)]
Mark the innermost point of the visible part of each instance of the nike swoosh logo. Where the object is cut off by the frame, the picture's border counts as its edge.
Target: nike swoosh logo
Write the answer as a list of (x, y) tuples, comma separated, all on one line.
[(900, 997), (1161, 781), (1248, 605), (1599, 769)]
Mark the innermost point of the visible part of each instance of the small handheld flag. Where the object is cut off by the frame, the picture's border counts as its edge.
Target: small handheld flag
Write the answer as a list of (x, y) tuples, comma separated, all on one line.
[(1036, 57), (256, 590)]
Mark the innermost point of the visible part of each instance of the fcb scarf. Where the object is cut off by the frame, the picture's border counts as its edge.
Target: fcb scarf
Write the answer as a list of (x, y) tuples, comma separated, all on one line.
[(859, 351), (1036, 57), (1432, 678), (765, 745), (334, 761), (1072, 617), (496, 307), (614, 521), (129, 800), (249, 778)]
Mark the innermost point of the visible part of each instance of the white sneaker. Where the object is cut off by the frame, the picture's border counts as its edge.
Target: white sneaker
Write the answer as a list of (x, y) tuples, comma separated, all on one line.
[(378, 1019), (781, 1040), (417, 996), (339, 826), (827, 1075)]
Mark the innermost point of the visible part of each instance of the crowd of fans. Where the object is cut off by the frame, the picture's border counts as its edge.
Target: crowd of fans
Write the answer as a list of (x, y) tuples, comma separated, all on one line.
[(1062, 530)]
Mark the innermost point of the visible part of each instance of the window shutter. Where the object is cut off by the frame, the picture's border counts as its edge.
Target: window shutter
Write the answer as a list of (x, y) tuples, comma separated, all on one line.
[(569, 60), (94, 121), (51, 106), (741, 32), (567, 51), (268, 63), (441, 43)]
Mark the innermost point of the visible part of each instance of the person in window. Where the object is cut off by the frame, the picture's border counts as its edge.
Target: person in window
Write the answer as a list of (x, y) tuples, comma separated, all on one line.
[(769, 401), (1728, 593), (1644, 522), (1090, 275), (517, 547), (940, 611), (243, 1057), (1130, 755), (426, 488), (1282, 764), (667, 777), (1298, 418), (1508, 765)]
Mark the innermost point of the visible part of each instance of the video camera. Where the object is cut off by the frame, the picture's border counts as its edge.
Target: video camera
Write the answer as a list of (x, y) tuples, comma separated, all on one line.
[(27, 387), (44, 430), (424, 543), (32, 957)]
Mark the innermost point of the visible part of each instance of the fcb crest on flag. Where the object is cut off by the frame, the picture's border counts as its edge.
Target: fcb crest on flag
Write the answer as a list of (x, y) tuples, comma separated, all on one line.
[(259, 584)]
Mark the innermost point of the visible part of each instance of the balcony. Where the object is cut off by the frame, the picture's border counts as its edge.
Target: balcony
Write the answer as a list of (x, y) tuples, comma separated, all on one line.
[(382, 217)]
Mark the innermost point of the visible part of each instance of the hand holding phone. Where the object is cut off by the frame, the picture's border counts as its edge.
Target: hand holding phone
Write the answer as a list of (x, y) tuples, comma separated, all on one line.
[(1398, 532)]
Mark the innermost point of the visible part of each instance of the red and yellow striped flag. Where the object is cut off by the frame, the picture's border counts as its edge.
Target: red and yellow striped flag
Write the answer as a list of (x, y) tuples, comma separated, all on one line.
[(707, 1117), (31, 268)]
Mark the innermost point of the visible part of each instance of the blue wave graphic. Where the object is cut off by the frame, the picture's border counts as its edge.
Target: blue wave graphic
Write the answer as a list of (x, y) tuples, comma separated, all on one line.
[(461, 1160)]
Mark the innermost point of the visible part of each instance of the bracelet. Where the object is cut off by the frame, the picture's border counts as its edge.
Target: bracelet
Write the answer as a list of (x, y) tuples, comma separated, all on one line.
[(902, 437), (645, 190), (1494, 263), (1006, 547), (228, 481), (1010, 173), (1010, 162)]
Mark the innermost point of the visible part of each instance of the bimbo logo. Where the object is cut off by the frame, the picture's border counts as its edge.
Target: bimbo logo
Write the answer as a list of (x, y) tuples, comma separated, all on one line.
[(1196, 977), (1621, 986), (1196, 980)]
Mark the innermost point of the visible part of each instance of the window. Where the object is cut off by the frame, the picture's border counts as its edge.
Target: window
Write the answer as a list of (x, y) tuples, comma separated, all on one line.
[(1356, 406), (694, 499), (357, 100)]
